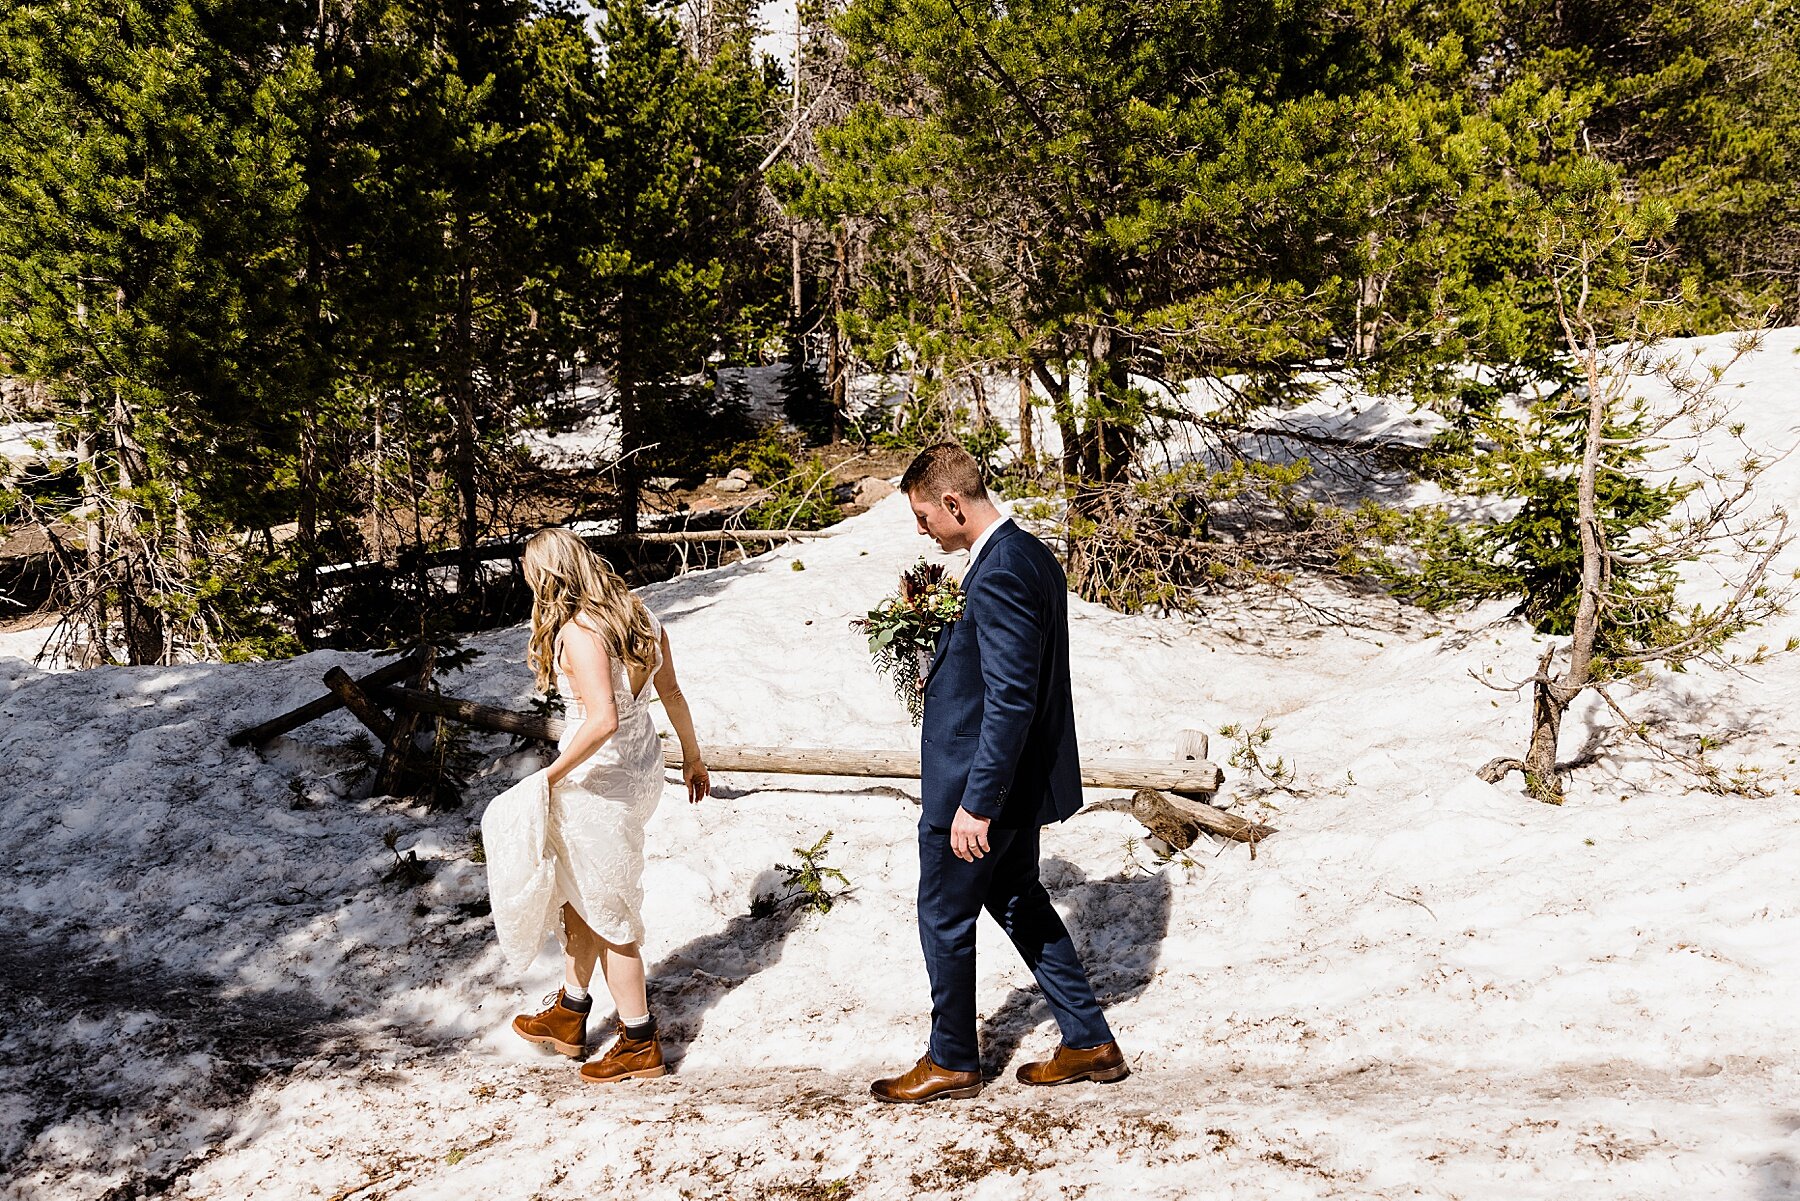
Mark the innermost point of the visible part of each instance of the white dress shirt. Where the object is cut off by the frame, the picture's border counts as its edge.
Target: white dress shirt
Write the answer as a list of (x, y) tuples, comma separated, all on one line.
[(982, 541)]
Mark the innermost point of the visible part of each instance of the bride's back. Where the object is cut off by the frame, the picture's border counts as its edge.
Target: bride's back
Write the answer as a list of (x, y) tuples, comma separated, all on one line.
[(628, 679)]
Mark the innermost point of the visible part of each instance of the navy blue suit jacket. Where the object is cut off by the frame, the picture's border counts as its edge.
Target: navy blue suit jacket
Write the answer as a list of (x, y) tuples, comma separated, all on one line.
[(999, 729)]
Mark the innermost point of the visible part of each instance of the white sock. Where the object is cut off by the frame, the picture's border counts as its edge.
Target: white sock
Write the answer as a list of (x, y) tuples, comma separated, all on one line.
[(574, 992), (638, 1022)]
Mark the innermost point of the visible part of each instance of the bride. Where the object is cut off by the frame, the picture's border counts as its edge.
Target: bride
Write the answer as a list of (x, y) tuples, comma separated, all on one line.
[(603, 648)]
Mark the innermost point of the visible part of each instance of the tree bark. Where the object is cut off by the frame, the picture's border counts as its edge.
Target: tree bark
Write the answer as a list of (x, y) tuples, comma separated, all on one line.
[(1549, 700), (307, 535), (1027, 438), (1064, 410), (837, 367), (361, 704), (256, 735), (1179, 821), (406, 725), (1587, 612), (1552, 695), (630, 491), (815, 761), (630, 433), (1547, 708), (143, 625), (95, 531), (1113, 439), (464, 459)]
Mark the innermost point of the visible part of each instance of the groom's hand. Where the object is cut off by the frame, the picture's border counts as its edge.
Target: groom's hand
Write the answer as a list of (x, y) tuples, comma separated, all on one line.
[(968, 835)]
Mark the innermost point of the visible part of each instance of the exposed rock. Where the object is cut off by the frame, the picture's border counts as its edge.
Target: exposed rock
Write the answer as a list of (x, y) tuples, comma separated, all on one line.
[(872, 488)]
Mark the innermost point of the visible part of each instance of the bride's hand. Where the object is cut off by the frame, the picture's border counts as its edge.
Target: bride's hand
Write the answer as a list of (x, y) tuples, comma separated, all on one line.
[(699, 784)]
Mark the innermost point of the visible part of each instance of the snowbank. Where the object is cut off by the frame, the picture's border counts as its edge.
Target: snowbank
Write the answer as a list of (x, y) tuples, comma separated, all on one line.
[(1423, 986)]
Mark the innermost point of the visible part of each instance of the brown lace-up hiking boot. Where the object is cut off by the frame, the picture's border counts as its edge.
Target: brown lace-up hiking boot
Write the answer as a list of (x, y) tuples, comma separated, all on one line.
[(562, 1026), (627, 1059)]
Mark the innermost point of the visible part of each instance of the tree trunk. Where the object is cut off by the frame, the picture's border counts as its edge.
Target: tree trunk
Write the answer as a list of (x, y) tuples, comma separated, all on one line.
[(1541, 779), (837, 364), (1178, 820), (1593, 558), (465, 459), (794, 300), (1064, 409), (398, 669), (1369, 291), (145, 637), (794, 113), (630, 497), (1551, 696), (99, 617), (1027, 438), (1099, 351), (976, 391), (377, 494), (1111, 436), (1549, 701), (1174, 777), (306, 515)]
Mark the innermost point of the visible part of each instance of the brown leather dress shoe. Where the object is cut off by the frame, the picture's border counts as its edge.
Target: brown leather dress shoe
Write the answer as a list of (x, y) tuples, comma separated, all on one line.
[(627, 1059), (559, 1026), (1104, 1063), (926, 1082)]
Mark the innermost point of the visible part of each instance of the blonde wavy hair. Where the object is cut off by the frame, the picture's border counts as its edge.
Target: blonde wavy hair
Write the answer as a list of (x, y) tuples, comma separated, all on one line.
[(567, 581)]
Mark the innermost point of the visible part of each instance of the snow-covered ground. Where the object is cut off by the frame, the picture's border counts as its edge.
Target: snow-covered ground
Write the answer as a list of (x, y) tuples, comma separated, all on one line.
[(27, 643), (28, 441), (1423, 986)]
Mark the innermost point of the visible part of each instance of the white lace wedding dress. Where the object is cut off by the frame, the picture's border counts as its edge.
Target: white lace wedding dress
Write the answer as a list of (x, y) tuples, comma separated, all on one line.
[(583, 841), (598, 812)]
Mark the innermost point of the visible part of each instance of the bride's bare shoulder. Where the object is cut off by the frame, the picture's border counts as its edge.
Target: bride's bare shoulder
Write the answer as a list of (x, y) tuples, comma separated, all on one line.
[(583, 630)]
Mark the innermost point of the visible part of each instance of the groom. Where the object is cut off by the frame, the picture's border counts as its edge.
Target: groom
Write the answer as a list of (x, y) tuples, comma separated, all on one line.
[(999, 762)]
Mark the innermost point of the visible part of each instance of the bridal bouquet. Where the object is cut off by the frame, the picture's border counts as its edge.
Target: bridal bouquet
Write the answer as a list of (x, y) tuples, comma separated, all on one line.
[(903, 629)]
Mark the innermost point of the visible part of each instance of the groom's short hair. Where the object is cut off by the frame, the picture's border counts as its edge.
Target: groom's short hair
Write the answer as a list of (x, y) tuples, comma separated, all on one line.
[(944, 467)]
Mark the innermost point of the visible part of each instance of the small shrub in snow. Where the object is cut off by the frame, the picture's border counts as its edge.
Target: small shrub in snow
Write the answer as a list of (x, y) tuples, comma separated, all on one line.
[(808, 885), (1161, 856), (1163, 542), (408, 870), (1247, 745), (800, 500)]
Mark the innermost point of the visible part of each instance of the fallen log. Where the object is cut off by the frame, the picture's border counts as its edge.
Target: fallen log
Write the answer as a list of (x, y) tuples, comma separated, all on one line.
[(473, 713), (339, 575), (359, 703), (826, 761), (406, 725), (1178, 820), (1191, 776), (399, 669), (678, 536)]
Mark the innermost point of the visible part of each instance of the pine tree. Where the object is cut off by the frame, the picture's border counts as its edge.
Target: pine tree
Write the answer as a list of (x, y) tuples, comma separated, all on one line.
[(146, 268), (508, 158), (685, 278), (1044, 182), (1597, 549)]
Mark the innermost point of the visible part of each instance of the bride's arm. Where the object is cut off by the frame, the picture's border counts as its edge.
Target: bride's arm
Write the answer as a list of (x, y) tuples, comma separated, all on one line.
[(590, 669), (668, 690)]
